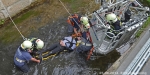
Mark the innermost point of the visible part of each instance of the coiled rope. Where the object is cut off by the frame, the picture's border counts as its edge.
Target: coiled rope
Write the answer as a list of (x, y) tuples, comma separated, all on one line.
[(13, 21)]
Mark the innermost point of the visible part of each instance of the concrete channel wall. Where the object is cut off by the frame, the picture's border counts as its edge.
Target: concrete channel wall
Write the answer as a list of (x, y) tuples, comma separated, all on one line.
[(13, 7)]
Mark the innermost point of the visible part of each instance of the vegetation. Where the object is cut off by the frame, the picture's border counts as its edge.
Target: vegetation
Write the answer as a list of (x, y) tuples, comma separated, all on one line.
[(6, 36), (25, 16), (2, 22), (148, 1), (145, 25), (145, 2)]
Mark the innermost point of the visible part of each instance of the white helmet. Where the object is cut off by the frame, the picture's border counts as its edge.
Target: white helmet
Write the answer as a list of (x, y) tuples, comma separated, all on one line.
[(85, 22), (111, 18), (39, 44), (26, 45)]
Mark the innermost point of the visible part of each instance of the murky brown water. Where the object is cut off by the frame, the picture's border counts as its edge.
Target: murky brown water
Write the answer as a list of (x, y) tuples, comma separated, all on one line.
[(50, 26)]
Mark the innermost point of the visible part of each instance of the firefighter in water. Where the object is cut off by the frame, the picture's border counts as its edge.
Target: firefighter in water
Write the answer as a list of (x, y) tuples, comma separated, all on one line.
[(77, 24), (22, 56), (38, 44), (84, 45)]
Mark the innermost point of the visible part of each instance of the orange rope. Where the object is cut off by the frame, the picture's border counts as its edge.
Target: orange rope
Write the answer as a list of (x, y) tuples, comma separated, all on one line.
[(90, 53), (75, 35)]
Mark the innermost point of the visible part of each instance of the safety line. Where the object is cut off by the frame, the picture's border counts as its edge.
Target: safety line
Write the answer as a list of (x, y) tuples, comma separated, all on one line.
[(12, 21), (70, 14)]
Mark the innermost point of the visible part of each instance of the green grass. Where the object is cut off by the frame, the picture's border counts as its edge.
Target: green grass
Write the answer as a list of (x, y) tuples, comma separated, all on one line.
[(145, 25), (145, 2), (148, 1)]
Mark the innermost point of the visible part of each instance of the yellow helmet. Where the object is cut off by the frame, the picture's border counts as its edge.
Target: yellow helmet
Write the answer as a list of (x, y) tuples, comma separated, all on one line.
[(39, 44), (26, 45), (111, 18), (85, 22)]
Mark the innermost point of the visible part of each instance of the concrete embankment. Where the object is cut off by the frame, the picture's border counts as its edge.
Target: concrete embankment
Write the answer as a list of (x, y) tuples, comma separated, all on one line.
[(14, 6)]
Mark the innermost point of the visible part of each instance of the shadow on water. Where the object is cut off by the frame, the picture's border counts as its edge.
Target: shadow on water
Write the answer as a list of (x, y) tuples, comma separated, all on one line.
[(62, 64)]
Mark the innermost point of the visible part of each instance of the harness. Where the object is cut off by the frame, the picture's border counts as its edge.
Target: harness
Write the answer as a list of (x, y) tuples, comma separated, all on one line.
[(70, 42), (72, 18), (86, 43), (19, 60), (33, 43)]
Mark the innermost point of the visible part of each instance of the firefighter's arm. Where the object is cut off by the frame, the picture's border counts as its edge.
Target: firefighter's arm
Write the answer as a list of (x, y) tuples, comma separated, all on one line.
[(75, 31), (35, 60), (81, 27)]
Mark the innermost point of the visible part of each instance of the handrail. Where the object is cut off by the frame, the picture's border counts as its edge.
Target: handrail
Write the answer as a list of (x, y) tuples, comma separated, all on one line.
[(136, 65), (110, 34)]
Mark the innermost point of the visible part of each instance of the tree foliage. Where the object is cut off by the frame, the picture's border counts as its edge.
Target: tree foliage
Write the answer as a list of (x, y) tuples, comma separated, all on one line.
[(145, 2), (148, 1)]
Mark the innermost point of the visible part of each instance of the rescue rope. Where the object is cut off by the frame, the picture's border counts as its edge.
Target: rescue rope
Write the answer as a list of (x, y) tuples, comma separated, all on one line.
[(90, 53), (70, 14), (13, 21)]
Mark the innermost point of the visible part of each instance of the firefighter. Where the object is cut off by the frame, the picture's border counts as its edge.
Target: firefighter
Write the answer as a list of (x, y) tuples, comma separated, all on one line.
[(114, 21), (22, 56), (77, 24)]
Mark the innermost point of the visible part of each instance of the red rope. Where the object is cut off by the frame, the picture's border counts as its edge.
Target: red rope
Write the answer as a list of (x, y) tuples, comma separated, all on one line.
[(91, 51)]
